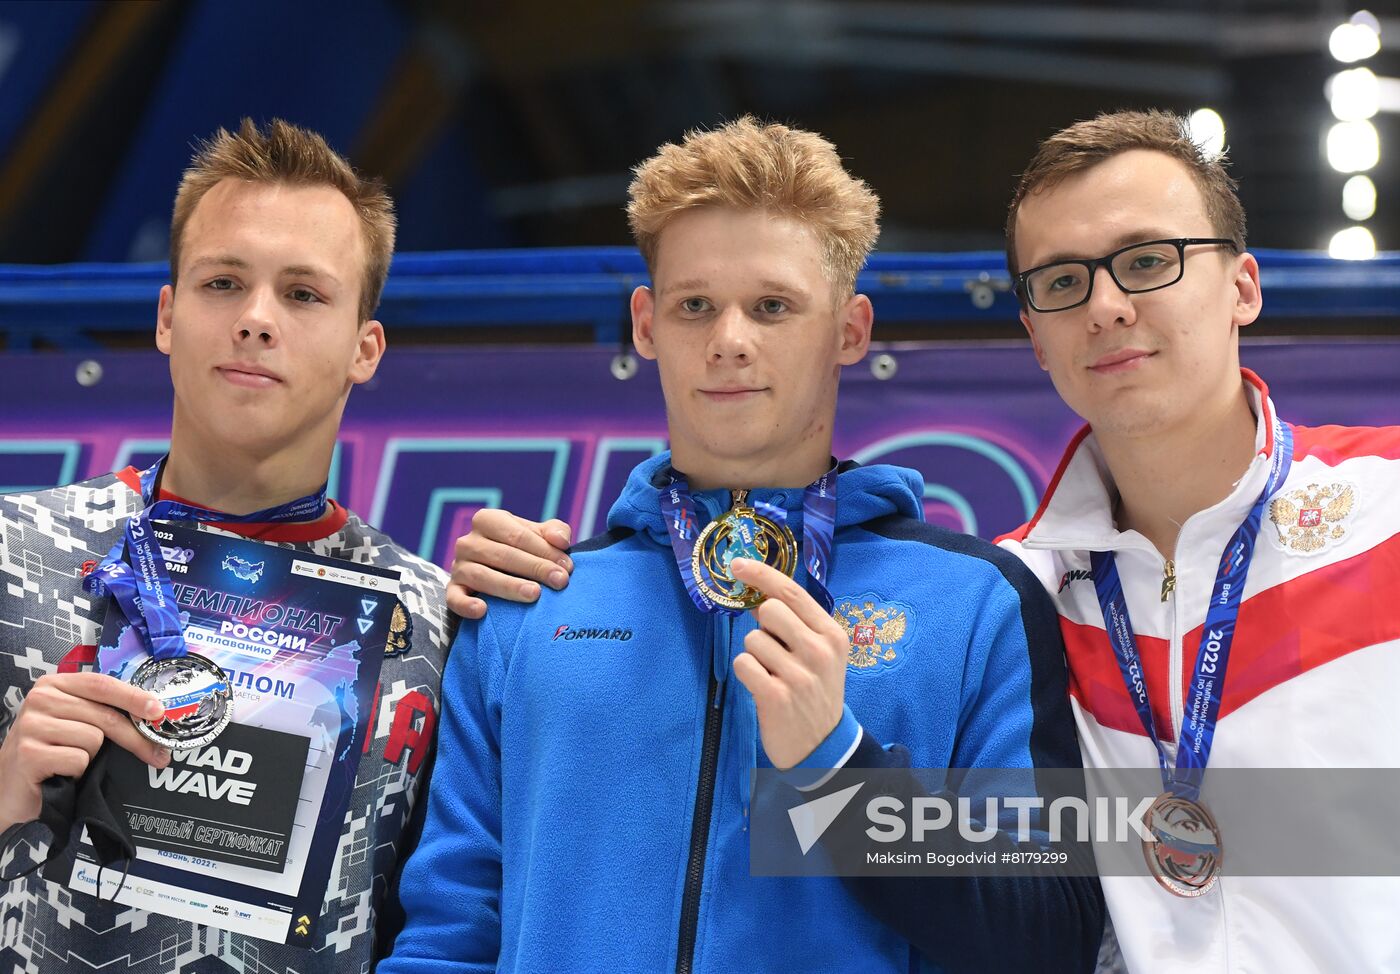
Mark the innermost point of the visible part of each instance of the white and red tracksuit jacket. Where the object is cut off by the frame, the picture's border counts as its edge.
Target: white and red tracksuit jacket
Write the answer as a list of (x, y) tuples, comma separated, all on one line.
[(1313, 678)]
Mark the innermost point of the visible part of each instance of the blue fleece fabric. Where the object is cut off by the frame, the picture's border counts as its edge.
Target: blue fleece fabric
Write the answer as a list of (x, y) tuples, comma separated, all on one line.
[(569, 750)]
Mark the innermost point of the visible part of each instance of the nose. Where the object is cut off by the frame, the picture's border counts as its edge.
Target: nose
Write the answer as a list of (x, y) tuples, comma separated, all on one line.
[(731, 337), (1109, 304), (257, 321)]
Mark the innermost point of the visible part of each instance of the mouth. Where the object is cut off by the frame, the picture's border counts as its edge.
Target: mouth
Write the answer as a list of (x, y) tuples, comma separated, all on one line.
[(732, 395), (248, 376), (1123, 360)]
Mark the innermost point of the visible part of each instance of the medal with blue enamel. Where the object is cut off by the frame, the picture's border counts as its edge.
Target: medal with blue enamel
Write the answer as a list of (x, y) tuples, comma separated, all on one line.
[(740, 532)]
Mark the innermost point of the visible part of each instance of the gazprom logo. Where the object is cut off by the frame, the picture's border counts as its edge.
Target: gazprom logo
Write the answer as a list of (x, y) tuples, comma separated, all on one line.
[(589, 632)]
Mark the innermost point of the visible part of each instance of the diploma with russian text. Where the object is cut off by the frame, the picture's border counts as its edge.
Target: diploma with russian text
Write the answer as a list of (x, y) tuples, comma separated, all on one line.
[(241, 833)]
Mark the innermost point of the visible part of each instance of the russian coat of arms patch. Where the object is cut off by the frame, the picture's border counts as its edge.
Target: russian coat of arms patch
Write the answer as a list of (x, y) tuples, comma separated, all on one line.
[(873, 630)]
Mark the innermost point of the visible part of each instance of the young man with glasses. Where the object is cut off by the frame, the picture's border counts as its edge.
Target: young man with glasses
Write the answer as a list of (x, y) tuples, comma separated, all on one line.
[(1185, 506)]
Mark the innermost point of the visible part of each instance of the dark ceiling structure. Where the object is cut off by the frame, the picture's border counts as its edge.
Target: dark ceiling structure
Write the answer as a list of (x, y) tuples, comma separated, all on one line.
[(516, 124)]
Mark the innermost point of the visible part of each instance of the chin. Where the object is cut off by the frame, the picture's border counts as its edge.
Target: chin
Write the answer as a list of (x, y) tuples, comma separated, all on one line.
[(250, 433), (1134, 419), (741, 449)]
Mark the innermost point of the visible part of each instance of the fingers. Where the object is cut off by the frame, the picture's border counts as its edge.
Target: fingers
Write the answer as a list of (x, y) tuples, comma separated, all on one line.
[(505, 528), (115, 726), (778, 620), (477, 579), (96, 688), (69, 762), (461, 601), (77, 712), (105, 703), (508, 562), (507, 557), (754, 677), (773, 656), (557, 533), (775, 585), (130, 740), (45, 732), (39, 760)]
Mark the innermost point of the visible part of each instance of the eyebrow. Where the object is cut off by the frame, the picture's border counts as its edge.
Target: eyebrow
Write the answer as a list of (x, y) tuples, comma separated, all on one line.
[(1122, 240), (690, 284), (293, 270), (699, 284), (783, 288)]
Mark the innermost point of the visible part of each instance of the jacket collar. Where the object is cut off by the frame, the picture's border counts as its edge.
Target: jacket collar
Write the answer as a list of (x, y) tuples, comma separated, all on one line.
[(1076, 512)]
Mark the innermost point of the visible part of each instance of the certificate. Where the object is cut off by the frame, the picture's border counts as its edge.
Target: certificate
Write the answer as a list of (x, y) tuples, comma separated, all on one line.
[(241, 833)]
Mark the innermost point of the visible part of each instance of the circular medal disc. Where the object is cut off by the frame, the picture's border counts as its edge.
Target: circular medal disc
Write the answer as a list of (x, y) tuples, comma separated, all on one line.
[(197, 696), (1186, 857), (721, 541)]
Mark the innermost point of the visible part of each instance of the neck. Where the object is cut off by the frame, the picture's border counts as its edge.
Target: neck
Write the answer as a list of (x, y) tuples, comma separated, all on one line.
[(235, 482), (1163, 479), (721, 473)]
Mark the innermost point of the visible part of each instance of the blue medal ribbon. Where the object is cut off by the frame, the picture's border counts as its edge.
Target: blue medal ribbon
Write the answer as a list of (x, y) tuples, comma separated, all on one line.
[(1217, 636), (818, 529), (134, 572)]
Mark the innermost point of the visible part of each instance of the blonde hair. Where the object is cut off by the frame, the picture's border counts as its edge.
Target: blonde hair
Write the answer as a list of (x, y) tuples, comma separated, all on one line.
[(1085, 144), (748, 165), (284, 153)]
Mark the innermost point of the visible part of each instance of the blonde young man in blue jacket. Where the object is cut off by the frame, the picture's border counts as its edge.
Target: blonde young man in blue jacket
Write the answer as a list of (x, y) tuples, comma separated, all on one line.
[(590, 805)]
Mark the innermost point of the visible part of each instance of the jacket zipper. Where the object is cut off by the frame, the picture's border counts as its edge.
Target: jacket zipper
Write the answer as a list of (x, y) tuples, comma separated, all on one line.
[(700, 828)]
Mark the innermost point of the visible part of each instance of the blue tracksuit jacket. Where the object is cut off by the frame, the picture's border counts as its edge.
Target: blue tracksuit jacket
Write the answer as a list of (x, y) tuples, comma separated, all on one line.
[(588, 807)]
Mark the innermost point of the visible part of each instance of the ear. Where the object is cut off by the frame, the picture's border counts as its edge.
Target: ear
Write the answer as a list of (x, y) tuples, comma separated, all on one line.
[(368, 351), (1035, 342), (1249, 299), (165, 313), (857, 319), (643, 314)]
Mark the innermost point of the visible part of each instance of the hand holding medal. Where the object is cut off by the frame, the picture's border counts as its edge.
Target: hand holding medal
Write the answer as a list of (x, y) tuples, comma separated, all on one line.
[(195, 693), (63, 722), (794, 664)]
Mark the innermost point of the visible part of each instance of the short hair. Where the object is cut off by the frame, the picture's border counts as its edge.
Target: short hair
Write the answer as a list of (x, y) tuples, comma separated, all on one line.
[(749, 165), (284, 153), (1085, 144)]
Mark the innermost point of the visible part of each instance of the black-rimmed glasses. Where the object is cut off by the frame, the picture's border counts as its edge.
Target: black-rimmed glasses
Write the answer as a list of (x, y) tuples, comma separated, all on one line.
[(1135, 268)]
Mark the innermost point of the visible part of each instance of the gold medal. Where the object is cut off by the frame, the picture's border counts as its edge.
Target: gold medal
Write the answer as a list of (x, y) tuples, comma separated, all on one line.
[(740, 532), (1186, 855)]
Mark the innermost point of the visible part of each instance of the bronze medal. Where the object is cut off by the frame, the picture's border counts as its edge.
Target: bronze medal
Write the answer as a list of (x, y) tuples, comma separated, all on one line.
[(1185, 853), (740, 532)]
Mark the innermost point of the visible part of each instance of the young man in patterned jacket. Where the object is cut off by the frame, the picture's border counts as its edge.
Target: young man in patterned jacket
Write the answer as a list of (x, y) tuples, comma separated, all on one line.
[(279, 253)]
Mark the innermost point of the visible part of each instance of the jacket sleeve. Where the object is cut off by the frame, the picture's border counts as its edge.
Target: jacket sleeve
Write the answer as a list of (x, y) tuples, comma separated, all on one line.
[(451, 885), (1015, 714)]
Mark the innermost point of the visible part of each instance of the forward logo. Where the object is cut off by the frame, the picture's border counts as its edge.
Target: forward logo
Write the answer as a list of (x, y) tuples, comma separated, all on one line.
[(569, 632)]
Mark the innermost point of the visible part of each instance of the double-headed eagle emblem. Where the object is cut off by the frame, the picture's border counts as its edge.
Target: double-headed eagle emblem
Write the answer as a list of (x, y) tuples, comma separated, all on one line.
[(1308, 519), (872, 632), (400, 630)]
